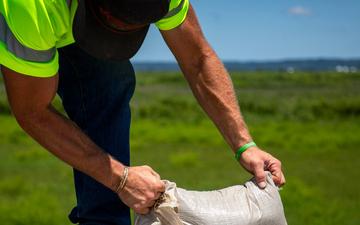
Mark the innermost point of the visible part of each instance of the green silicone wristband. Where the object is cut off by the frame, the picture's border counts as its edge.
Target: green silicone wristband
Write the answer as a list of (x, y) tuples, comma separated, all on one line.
[(243, 149)]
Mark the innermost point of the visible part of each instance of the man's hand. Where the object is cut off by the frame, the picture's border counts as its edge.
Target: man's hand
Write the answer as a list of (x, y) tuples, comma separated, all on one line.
[(213, 88), (257, 162), (142, 189)]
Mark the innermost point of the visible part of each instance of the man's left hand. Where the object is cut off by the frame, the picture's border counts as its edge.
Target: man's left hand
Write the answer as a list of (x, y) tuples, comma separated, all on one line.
[(257, 162)]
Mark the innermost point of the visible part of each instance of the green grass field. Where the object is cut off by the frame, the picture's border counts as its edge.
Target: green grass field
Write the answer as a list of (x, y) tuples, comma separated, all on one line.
[(308, 120)]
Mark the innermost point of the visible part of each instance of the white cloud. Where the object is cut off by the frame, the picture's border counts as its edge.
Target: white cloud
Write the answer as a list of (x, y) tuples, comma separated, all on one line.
[(299, 11)]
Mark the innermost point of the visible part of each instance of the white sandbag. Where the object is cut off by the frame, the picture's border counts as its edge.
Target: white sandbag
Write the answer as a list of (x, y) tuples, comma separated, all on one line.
[(237, 205)]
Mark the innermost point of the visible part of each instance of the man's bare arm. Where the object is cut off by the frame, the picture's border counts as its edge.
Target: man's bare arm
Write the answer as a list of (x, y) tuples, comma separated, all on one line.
[(30, 99), (214, 91)]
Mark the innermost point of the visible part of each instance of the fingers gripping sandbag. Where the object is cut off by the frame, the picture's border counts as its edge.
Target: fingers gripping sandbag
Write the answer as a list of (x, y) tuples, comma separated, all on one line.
[(237, 205)]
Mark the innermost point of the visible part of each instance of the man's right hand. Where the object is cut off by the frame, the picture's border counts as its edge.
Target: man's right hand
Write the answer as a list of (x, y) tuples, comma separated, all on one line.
[(143, 187), (30, 99)]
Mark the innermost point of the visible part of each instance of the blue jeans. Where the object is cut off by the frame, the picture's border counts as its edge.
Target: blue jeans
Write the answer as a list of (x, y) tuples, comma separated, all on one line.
[(96, 95)]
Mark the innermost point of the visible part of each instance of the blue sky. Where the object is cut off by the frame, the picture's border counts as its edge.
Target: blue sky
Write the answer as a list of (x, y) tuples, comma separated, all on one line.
[(271, 29)]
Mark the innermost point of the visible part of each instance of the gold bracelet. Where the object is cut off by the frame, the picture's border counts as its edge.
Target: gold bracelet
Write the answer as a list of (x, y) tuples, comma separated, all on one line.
[(123, 180)]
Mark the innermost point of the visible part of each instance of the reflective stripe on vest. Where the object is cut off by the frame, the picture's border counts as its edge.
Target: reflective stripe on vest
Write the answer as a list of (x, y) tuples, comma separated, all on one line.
[(20, 51), (175, 11)]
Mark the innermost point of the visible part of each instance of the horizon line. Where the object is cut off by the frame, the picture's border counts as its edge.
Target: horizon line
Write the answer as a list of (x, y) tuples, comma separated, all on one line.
[(264, 60)]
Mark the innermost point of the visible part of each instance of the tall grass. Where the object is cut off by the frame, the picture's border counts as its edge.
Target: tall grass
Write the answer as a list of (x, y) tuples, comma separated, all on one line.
[(308, 120)]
